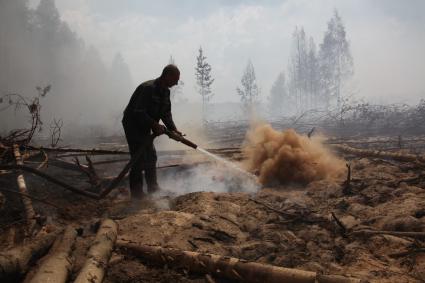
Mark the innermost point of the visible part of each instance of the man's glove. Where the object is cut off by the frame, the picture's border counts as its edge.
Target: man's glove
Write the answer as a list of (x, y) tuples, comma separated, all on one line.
[(158, 129)]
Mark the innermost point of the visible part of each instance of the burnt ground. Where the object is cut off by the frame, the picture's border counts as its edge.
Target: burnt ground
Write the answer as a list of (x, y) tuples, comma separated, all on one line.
[(289, 226)]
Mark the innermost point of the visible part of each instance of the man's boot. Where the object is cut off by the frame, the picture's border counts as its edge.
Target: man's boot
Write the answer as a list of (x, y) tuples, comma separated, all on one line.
[(151, 181)]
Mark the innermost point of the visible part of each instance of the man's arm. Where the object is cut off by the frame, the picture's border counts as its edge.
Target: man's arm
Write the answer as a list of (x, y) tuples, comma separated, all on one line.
[(139, 109), (167, 118)]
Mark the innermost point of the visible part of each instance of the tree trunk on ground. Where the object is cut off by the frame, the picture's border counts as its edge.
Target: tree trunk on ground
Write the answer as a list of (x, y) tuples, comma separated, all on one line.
[(15, 262), (93, 270), (227, 267), (85, 151), (29, 210), (405, 157), (419, 235), (56, 268)]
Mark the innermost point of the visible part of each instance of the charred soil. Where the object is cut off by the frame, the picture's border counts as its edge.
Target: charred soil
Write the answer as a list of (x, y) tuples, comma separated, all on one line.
[(315, 227)]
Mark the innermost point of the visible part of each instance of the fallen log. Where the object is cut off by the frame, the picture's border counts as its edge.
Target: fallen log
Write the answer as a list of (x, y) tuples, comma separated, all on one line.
[(29, 209), (420, 235), (85, 151), (404, 157), (15, 262), (64, 164), (56, 268), (114, 181), (99, 254), (226, 267), (49, 178)]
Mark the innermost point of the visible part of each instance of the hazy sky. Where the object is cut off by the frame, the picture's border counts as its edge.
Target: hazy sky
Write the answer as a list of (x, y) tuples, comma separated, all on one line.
[(387, 39)]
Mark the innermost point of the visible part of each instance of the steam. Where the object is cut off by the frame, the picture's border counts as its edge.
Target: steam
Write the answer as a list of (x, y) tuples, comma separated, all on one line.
[(207, 177), (287, 157)]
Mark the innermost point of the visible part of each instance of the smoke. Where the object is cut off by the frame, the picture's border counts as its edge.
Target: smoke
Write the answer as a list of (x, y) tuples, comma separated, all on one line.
[(37, 48), (287, 157), (203, 176)]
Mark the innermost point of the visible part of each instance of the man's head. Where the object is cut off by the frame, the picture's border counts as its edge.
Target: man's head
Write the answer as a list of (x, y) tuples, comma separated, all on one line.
[(170, 75)]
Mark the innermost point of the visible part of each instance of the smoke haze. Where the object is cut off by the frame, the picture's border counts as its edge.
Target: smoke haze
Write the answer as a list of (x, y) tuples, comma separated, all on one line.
[(94, 53)]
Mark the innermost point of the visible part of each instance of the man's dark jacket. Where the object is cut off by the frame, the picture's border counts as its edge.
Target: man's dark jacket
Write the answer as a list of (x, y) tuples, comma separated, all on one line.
[(148, 104)]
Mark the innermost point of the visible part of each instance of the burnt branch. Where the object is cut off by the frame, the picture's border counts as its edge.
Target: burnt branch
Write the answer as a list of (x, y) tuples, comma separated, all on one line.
[(49, 178)]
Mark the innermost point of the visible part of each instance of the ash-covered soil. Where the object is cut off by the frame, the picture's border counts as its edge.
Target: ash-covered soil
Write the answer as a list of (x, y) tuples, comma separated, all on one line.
[(289, 226), (293, 227)]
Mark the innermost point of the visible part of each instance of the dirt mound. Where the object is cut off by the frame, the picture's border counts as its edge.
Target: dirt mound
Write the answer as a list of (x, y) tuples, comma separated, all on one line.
[(287, 157)]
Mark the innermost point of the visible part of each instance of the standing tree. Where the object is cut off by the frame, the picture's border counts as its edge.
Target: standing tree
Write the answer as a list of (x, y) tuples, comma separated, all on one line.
[(298, 70), (336, 63), (313, 78), (250, 90), (278, 95), (176, 91), (203, 80)]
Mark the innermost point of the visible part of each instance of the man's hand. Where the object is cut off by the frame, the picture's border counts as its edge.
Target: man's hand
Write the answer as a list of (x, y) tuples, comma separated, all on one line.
[(178, 132), (158, 129)]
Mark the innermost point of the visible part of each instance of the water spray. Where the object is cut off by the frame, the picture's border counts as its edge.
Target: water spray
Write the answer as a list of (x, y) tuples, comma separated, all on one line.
[(177, 137)]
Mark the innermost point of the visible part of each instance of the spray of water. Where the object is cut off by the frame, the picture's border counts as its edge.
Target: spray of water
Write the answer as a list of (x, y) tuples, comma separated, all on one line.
[(228, 164)]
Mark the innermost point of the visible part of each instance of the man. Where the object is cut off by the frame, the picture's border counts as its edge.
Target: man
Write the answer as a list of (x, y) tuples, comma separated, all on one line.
[(149, 103)]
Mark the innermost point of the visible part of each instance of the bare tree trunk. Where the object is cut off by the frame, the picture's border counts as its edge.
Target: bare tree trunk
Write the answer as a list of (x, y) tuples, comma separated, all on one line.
[(93, 270), (56, 268), (228, 267), (29, 210), (15, 262)]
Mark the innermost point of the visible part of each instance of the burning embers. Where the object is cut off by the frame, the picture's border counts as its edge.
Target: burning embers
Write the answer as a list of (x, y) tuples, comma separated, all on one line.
[(287, 157)]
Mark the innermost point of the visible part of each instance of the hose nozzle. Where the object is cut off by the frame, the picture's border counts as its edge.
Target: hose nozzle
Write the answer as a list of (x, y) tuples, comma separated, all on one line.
[(177, 137)]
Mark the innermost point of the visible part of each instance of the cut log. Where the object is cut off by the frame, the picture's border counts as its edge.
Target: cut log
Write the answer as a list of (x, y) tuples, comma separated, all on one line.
[(56, 268), (15, 262), (226, 267), (404, 157), (100, 252), (29, 210)]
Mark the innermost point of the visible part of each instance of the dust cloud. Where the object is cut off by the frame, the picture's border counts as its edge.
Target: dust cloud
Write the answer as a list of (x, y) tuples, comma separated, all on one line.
[(287, 157)]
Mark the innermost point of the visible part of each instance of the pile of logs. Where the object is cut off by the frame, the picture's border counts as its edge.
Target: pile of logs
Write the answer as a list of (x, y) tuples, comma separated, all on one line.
[(56, 266)]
